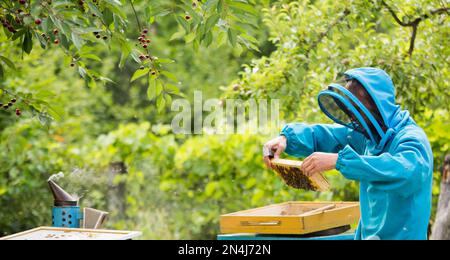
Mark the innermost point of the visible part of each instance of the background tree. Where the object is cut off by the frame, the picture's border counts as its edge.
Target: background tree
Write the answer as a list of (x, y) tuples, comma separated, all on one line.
[(177, 186), (441, 228)]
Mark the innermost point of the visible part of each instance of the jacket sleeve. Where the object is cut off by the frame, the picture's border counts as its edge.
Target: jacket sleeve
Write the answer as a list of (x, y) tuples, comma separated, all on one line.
[(304, 139), (404, 170)]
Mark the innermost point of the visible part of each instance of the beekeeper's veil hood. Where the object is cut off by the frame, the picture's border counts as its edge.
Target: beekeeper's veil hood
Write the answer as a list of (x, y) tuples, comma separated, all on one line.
[(344, 108)]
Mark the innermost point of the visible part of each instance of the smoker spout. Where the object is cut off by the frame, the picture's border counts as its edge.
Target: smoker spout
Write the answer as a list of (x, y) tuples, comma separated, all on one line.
[(62, 198)]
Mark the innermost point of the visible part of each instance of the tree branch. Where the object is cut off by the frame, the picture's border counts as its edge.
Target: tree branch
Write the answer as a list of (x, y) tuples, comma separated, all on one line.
[(136, 15), (412, 43), (327, 31), (414, 24)]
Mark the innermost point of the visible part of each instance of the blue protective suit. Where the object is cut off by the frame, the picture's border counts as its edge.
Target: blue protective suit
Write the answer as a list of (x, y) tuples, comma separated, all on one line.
[(395, 174)]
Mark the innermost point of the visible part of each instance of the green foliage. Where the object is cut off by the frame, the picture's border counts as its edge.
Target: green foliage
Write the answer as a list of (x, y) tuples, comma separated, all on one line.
[(178, 186), (80, 29), (318, 40)]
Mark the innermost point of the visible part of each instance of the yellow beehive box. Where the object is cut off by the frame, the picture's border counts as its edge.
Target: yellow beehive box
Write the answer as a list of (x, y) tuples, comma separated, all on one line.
[(291, 218)]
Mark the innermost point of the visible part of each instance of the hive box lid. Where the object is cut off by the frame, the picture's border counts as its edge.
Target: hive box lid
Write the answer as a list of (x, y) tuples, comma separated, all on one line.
[(52, 233)]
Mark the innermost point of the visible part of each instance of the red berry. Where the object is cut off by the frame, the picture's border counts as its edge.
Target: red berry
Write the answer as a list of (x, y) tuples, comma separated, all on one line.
[(188, 17), (22, 2), (145, 31), (18, 112), (13, 100), (149, 41), (140, 38), (56, 41), (55, 31), (142, 57), (145, 46), (38, 21)]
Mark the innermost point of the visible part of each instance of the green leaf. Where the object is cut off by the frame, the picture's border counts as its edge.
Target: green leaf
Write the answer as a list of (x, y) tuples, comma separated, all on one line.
[(108, 16), (242, 6), (57, 23), (208, 39), (170, 88), (232, 37), (220, 6), (8, 62), (160, 103), (18, 34), (177, 35), (126, 51), (238, 50), (91, 57), (27, 45), (77, 41), (82, 72), (42, 41), (95, 10), (165, 61), (2, 72), (139, 74), (212, 21), (210, 4), (168, 99), (155, 88), (169, 75), (183, 23), (190, 37)]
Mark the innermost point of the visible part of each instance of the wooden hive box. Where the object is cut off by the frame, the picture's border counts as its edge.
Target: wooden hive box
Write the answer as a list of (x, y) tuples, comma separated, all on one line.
[(290, 171), (291, 218)]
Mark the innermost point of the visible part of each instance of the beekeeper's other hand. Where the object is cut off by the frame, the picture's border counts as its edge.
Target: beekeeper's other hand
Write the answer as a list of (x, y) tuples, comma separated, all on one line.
[(319, 162), (274, 148)]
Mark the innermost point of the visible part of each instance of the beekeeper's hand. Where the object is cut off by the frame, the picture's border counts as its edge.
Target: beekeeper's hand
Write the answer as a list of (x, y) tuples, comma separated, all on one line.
[(274, 148), (319, 162)]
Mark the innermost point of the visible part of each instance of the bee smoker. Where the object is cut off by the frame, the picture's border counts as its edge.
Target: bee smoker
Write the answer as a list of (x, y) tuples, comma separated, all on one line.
[(66, 212)]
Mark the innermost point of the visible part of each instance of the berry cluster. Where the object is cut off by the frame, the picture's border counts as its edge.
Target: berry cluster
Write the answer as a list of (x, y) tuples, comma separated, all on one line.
[(98, 36), (8, 25), (48, 38), (11, 104), (143, 39), (144, 57)]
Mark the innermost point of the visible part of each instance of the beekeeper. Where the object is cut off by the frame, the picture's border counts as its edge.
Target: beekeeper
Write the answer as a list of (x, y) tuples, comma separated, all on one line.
[(377, 144)]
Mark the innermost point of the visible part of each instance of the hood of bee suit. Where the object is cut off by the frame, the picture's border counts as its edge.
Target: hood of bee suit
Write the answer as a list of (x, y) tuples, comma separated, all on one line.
[(344, 108)]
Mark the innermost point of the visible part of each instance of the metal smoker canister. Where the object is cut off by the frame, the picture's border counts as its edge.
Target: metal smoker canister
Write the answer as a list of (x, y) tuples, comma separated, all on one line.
[(65, 212)]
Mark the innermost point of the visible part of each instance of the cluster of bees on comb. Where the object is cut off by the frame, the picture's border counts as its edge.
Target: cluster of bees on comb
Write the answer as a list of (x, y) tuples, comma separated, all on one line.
[(295, 178)]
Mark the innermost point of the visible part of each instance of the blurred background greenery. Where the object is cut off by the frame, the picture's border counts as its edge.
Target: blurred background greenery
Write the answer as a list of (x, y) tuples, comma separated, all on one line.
[(177, 186)]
